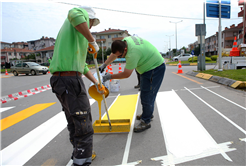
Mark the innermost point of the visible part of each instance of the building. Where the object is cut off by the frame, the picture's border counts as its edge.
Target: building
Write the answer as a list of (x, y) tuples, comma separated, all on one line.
[(105, 38), (5, 45), (44, 54), (21, 45), (242, 13), (41, 43), (227, 39), (8, 54)]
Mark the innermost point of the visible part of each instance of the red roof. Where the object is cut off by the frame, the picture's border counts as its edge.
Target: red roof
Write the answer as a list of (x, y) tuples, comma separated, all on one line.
[(241, 2), (16, 50), (51, 48), (5, 42), (111, 31)]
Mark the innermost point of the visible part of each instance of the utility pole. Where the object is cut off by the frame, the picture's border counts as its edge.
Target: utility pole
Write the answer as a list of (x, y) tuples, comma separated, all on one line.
[(176, 34)]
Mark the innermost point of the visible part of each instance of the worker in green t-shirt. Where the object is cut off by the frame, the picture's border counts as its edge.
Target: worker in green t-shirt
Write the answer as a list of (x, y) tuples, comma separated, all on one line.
[(146, 59), (67, 66)]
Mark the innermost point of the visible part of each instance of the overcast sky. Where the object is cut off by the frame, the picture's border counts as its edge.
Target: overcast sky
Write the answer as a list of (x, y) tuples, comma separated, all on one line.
[(29, 20)]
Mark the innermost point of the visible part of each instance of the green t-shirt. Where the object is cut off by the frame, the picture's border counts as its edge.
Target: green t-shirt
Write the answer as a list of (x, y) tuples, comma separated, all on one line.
[(141, 55), (70, 49)]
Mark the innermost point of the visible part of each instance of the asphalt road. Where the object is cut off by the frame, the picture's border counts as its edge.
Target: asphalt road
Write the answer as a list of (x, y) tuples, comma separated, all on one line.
[(196, 122)]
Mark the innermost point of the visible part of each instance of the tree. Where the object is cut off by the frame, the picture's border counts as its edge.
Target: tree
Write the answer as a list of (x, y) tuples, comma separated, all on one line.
[(174, 51)]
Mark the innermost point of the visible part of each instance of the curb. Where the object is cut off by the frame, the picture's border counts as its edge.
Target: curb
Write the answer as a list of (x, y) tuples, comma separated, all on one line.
[(25, 93), (221, 80)]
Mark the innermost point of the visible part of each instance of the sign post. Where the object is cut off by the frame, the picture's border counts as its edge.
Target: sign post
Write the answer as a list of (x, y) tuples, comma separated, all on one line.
[(201, 33), (219, 9), (192, 53)]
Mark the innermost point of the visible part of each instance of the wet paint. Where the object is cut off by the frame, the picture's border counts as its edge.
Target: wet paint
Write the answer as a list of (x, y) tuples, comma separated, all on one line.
[(98, 97)]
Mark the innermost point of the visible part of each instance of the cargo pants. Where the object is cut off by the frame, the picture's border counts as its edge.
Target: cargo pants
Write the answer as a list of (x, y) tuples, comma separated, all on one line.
[(71, 92)]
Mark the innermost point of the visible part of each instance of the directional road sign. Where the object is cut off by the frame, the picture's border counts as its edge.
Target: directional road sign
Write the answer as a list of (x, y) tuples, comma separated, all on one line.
[(212, 8), (217, 1)]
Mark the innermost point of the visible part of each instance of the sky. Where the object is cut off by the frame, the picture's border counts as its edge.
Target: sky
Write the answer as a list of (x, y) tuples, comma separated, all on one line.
[(29, 20)]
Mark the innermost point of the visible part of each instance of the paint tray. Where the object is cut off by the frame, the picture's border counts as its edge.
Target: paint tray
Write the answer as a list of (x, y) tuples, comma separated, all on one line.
[(117, 126)]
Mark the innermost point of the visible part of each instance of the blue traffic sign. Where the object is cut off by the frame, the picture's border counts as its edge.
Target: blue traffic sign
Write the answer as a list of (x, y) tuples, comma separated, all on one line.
[(217, 2), (213, 10), (192, 52)]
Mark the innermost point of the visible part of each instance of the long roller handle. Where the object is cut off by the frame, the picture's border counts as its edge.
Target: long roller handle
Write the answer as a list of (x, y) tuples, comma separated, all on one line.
[(100, 82)]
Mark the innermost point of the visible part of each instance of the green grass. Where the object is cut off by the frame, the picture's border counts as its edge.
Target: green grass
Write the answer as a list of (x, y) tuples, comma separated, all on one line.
[(3, 70), (187, 62), (238, 75)]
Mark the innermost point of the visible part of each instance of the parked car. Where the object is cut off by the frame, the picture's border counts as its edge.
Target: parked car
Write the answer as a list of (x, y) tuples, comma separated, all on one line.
[(183, 57), (27, 68)]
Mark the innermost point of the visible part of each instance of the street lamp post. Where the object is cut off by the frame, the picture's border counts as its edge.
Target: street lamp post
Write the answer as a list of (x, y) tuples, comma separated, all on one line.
[(166, 46), (176, 33), (170, 44)]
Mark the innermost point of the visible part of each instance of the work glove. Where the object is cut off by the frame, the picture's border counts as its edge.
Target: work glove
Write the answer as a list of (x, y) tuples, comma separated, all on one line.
[(99, 89), (106, 77), (102, 67), (94, 44)]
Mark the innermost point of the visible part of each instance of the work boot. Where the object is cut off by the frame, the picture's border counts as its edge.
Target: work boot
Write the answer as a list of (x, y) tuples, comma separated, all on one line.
[(92, 157), (141, 127), (140, 116), (137, 86)]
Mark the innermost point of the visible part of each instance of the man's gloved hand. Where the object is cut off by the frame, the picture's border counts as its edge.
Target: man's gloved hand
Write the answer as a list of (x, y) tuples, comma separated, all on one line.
[(107, 77), (102, 67), (94, 44), (99, 89)]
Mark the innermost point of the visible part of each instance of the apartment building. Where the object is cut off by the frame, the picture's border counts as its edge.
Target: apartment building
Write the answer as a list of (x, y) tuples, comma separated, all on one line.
[(41, 43), (44, 54), (227, 39), (7, 54), (21, 45), (242, 13), (5, 45), (105, 38)]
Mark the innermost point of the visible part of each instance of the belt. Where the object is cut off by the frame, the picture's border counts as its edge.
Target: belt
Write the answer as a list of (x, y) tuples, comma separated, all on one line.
[(67, 73)]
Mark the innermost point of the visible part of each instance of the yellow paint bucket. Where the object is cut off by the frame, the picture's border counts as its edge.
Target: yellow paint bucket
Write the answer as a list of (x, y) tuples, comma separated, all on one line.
[(97, 96)]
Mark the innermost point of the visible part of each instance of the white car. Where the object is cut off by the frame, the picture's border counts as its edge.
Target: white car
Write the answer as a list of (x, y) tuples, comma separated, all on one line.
[(183, 57)]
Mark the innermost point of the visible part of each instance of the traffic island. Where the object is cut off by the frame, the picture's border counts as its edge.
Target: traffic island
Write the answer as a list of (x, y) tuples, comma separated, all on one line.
[(221, 80)]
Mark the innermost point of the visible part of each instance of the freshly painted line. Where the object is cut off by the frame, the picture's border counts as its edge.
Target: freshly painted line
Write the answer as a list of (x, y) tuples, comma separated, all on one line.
[(224, 98), (224, 146), (234, 124), (19, 116), (120, 110), (111, 105), (181, 121), (5, 109), (22, 150), (129, 137), (187, 78)]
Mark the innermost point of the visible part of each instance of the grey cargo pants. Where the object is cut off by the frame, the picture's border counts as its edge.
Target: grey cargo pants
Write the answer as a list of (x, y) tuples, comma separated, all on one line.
[(71, 92)]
